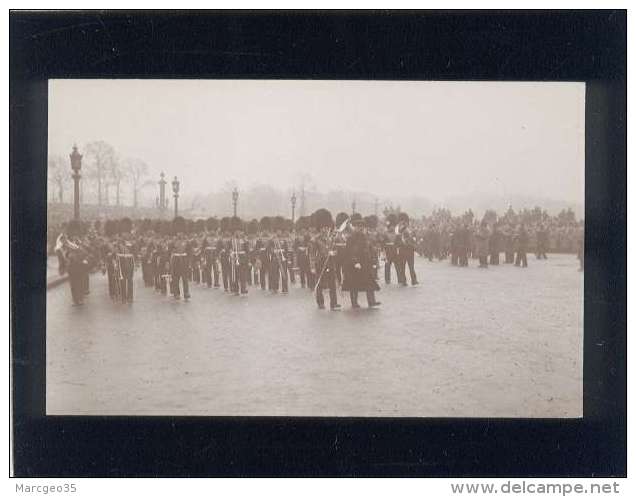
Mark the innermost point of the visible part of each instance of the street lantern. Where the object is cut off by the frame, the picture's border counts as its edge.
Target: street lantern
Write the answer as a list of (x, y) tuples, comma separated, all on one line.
[(76, 165), (235, 195), (162, 203), (293, 204), (175, 189)]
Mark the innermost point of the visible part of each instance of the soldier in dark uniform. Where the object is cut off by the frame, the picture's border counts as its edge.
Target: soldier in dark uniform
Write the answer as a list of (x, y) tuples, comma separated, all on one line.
[(76, 271), (147, 267), (376, 241), (283, 250), (509, 245), (194, 260), (340, 245), (521, 243), (210, 267), (462, 244), (290, 257), (302, 256), (126, 262), (325, 255), (358, 273), (433, 243), (454, 245), (482, 245), (260, 250), (243, 265), (390, 255), (494, 245), (112, 272), (179, 271), (223, 250), (232, 248), (542, 243), (406, 254), (163, 269), (273, 265)]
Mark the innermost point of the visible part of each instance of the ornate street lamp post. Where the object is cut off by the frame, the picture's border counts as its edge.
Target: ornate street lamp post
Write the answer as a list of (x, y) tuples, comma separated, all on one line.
[(293, 204), (76, 165), (235, 195), (175, 189), (162, 202)]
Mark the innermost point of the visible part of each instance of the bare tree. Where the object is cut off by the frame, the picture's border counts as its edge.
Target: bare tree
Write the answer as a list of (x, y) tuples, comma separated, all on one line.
[(117, 174), (58, 175), (102, 156), (137, 170), (305, 182)]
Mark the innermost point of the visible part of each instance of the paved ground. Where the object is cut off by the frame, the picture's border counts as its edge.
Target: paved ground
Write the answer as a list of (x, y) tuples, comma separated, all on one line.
[(467, 342)]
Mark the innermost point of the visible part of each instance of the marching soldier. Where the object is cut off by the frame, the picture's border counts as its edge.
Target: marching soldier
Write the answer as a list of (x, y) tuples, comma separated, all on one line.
[(406, 254), (283, 250), (521, 243), (494, 245), (147, 266), (163, 274), (358, 273), (262, 266), (542, 243), (325, 254), (243, 265), (232, 248), (194, 259), (463, 244), (210, 267), (76, 270), (482, 241), (302, 256), (110, 264), (224, 249), (273, 267), (509, 245), (179, 271), (390, 255), (126, 263)]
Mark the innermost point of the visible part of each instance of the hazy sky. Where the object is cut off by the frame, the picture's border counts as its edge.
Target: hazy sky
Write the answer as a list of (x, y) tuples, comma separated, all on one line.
[(435, 139)]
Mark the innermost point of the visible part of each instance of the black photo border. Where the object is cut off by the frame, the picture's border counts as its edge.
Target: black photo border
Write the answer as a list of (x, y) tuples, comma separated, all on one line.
[(587, 46)]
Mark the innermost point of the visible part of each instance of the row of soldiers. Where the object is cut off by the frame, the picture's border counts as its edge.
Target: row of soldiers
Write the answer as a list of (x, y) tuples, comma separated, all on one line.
[(317, 260), (462, 241), (350, 257)]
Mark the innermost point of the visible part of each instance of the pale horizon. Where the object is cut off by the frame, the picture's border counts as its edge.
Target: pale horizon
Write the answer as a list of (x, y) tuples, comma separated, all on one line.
[(437, 140)]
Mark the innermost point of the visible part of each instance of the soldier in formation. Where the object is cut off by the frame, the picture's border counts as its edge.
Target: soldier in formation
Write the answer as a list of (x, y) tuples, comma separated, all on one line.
[(315, 259)]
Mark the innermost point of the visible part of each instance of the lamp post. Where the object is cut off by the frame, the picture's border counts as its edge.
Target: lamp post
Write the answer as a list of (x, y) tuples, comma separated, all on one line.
[(162, 203), (175, 189), (293, 204), (353, 207), (76, 165), (235, 195)]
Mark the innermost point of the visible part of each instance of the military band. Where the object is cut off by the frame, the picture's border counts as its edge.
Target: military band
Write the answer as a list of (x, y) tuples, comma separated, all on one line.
[(342, 260)]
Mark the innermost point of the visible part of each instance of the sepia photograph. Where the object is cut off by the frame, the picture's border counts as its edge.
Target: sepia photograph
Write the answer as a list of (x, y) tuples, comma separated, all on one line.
[(315, 248)]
